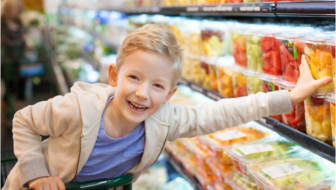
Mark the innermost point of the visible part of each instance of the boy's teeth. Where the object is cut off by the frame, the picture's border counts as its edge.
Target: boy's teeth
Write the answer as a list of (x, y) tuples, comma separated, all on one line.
[(136, 106)]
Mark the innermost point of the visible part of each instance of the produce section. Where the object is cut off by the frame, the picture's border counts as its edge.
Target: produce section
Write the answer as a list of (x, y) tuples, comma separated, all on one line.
[(226, 59)]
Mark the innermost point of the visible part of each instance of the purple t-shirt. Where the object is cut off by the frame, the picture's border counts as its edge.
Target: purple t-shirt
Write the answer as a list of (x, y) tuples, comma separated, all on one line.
[(112, 157)]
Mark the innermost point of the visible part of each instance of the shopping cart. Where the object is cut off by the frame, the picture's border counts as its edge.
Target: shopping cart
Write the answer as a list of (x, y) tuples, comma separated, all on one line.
[(9, 160)]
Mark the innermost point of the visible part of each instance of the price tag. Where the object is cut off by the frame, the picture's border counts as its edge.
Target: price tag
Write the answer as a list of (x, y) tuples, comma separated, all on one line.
[(256, 148), (192, 9), (242, 8), (282, 170), (213, 96), (229, 135), (256, 8), (197, 88)]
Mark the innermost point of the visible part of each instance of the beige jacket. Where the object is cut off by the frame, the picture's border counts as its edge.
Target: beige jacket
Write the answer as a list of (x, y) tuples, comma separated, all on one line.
[(72, 124)]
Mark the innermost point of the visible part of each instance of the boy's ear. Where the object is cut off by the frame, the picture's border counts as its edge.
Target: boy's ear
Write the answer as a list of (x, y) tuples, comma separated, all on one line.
[(170, 94), (112, 75)]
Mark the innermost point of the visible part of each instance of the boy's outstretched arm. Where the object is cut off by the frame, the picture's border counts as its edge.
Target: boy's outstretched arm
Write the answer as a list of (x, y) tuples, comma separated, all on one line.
[(48, 118), (206, 118)]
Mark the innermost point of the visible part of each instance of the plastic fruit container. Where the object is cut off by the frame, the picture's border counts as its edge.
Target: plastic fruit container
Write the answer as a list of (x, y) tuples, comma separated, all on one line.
[(253, 51), (224, 78), (239, 84), (197, 72), (271, 60), (219, 171), (204, 177), (253, 84), (318, 122), (238, 182), (318, 55), (331, 99), (195, 41), (238, 44), (217, 142), (296, 119), (293, 173), (213, 37), (213, 76), (291, 50), (246, 154), (333, 62)]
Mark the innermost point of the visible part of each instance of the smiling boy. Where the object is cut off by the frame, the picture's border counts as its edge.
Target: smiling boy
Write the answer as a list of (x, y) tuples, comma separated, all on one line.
[(102, 131)]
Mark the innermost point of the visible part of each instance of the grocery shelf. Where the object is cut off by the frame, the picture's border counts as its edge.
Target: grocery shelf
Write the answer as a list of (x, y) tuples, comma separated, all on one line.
[(180, 169), (322, 149), (325, 8)]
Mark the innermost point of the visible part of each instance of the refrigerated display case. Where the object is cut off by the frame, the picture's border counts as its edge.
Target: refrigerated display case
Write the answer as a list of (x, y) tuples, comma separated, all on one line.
[(203, 76)]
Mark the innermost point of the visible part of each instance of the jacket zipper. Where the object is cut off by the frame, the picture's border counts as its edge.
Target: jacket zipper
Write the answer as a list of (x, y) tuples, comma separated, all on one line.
[(80, 150)]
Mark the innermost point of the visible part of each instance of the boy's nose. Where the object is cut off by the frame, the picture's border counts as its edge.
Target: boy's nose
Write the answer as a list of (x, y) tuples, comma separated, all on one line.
[(142, 92)]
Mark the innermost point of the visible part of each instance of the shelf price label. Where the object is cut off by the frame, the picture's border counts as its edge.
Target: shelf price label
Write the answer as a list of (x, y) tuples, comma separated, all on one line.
[(197, 88), (192, 9), (213, 96)]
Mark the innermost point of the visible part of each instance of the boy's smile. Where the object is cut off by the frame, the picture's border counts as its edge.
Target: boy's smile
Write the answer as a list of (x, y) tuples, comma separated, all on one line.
[(144, 83)]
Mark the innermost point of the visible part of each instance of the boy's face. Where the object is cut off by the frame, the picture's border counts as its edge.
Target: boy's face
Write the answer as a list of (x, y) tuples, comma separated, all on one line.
[(143, 84)]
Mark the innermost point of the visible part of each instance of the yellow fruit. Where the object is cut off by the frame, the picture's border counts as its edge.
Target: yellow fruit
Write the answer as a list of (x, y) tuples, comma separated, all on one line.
[(317, 127), (241, 80), (313, 70), (326, 128), (325, 57), (324, 73), (332, 111)]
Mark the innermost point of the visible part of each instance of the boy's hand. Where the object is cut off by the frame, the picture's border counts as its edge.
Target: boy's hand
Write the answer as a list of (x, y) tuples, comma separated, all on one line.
[(47, 183), (306, 84)]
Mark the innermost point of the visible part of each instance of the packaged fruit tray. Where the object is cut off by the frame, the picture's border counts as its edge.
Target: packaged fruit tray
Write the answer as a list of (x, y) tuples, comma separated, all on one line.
[(248, 153), (218, 170), (239, 83), (253, 84), (213, 38), (318, 55), (238, 182), (293, 173), (318, 119), (238, 44), (218, 141), (205, 178)]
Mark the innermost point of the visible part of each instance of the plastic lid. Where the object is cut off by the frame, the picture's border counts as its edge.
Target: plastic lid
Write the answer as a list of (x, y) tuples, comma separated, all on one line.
[(251, 152), (297, 173)]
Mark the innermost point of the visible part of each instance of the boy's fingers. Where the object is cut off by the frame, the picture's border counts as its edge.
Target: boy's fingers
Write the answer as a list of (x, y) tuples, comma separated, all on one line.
[(323, 81), (60, 184), (53, 185)]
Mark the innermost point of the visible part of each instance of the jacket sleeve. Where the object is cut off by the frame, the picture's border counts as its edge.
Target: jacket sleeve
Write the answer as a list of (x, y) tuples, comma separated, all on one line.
[(48, 118), (206, 118)]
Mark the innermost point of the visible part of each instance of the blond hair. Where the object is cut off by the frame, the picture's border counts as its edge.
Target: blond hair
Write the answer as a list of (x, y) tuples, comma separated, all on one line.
[(153, 38), (7, 8)]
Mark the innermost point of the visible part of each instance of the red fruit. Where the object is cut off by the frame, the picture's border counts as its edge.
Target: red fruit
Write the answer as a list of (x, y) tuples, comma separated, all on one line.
[(277, 117), (317, 101), (274, 71), (265, 44), (275, 59), (267, 65)]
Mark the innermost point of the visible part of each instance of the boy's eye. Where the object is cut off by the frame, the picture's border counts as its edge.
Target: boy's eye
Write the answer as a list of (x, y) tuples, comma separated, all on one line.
[(133, 77), (158, 86)]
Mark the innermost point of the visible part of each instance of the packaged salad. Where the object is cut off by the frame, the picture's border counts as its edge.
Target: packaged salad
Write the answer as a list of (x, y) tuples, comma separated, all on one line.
[(224, 77), (216, 142), (317, 111), (246, 154), (293, 173), (237, 181), (331, 99), (318, 55), (213, 37)]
